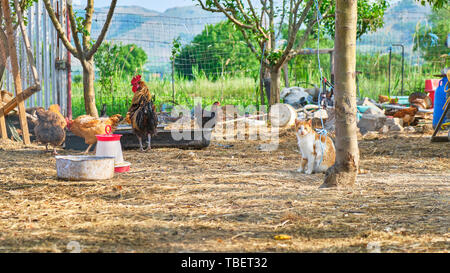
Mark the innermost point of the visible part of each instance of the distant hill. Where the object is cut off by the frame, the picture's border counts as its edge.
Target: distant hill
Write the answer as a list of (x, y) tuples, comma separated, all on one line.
[(154, 31), (151, 30), (400, 23)]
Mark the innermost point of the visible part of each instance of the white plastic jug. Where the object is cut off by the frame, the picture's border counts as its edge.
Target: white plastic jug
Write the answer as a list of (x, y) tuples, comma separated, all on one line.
[(109, 145)]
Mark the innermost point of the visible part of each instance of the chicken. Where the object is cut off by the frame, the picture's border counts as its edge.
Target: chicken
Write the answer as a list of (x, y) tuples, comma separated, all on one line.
[(421, 100), (383, 99), (88, 127), (50, 127), (208, 118), (408, 115), (142, 112)]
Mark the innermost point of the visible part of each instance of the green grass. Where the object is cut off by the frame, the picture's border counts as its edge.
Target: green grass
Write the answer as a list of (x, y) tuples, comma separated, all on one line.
[(239, 90), (243, 90)]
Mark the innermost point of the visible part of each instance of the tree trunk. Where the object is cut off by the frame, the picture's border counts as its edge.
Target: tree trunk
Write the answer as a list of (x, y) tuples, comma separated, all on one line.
[(286, 74), (275, 74), (15, 70), (345, 169), (2, 71), (88, 86)]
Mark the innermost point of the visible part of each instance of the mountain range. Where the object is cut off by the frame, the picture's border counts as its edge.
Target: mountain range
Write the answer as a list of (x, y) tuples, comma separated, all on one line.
[(155, 31)]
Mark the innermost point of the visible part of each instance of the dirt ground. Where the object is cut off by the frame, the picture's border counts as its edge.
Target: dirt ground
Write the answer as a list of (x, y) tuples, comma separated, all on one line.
[(232, 199)]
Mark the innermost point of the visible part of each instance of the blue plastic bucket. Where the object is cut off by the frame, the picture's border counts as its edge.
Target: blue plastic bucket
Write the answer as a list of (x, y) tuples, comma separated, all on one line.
[(439, 101)]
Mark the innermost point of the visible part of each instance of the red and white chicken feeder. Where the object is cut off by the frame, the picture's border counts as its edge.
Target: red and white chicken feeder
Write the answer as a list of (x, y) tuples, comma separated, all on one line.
[(109, 145)]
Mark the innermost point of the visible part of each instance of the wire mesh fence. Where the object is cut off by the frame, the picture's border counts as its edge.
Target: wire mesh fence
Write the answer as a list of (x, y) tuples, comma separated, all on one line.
[(223, 69)]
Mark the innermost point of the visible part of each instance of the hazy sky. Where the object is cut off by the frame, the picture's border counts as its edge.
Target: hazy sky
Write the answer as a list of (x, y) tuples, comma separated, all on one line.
[(158, 5)]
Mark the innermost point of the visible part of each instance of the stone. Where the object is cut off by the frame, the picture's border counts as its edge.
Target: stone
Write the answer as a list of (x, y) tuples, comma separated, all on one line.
[(384, 129), (394, 121), (410, 129), (295, 96), (321, 113), (370, 122), (373, 109), (396, 128)]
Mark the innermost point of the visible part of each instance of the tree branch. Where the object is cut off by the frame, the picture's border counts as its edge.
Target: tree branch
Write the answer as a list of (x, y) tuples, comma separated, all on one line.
[(207, 8), (308, 32), (59, 29), (76, 40), (250, 45), (283, 14), (294, 31), (231, 17), (102, 35), (88, 24)]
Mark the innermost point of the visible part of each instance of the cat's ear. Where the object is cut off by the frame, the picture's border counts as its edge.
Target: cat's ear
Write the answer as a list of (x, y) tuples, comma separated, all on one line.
[(297, 122), (310, 122)]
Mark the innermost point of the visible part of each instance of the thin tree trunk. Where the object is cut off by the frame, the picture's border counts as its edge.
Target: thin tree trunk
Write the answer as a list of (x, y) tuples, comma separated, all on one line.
[(2, 71), (286, 74), (16, 71), (275, 74), (345, 169), (88, 86)]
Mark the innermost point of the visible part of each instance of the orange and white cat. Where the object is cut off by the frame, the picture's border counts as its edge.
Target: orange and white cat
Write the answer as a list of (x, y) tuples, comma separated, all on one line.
[(317, 151)]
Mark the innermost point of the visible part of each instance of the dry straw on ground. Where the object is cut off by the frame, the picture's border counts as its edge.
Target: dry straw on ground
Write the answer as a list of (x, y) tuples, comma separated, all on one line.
[(230, 199)]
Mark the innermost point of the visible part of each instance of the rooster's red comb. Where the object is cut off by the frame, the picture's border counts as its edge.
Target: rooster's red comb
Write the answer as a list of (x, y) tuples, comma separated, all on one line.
[(136, 80)]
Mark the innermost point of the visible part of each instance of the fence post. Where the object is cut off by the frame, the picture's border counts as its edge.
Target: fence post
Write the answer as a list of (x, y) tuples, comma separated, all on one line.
[(69, 72)]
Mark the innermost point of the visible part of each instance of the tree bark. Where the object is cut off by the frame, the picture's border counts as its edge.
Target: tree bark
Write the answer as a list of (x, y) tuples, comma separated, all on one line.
[(88, 88), (286, 74), (16, 72), (2, 71), (345, 169), (275, 76)]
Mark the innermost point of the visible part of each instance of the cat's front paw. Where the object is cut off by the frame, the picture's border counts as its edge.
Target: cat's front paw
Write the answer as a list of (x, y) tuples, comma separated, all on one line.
[(308, 171), (300, 170)]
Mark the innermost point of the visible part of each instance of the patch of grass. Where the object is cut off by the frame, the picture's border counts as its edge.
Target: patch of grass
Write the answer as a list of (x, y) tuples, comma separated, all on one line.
[(227, 90)]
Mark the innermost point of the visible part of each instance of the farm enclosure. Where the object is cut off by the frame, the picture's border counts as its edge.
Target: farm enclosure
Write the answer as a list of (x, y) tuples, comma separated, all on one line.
[(230, 199)]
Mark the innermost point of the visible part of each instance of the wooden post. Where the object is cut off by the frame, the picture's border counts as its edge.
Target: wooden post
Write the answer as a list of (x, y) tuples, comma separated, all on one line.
[(16, 72), (3, 132), (332, 67)]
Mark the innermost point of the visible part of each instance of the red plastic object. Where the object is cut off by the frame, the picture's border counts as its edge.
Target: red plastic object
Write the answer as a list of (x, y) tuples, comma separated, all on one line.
[(431, 84), (431, 95), (123, 169), (108, 137), (430, 87)]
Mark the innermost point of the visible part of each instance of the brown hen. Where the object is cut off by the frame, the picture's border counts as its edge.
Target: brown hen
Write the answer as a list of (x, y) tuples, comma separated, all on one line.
[(407, 115), (88, 127), (50, 127)]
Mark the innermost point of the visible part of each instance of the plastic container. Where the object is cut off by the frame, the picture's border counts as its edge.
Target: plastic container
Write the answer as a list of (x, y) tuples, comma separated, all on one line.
[(122, 168), (109, 145), (362, 108), (402, 100), (430, 87), (439, 101), (78, 168)]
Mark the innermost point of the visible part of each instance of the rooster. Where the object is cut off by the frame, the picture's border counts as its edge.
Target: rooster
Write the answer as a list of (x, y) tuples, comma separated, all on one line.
[(50, 127), (142, 112), (88, 127)]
